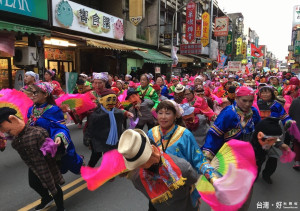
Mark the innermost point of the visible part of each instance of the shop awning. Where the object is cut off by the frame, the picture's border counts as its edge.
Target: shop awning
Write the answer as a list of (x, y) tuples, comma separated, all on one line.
[(202, 59), (24, 29), (153, 56), (113, 46), (181, 58)]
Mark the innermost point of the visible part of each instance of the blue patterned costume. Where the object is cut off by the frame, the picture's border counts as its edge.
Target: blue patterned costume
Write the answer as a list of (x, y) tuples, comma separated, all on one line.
[(180, 142), (228, 126), (165, 92), (51, 118), (277, 111)]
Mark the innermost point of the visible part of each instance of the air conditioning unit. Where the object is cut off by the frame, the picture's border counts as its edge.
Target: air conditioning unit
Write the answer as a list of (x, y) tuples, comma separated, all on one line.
[(25, 56)]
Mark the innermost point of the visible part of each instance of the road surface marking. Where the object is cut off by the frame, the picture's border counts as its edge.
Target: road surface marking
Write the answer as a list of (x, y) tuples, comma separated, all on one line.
[(68, 195), (66, 187)]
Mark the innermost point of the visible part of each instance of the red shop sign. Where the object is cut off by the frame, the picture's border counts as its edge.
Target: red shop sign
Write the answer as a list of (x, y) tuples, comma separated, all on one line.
[(198, 28), (190, 21)]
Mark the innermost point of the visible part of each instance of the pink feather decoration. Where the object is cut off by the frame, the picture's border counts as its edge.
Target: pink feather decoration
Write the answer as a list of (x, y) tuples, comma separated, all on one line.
[(80, 102), (122, 97), (294, 131), (111, 166), (17, 100), (287, 156)]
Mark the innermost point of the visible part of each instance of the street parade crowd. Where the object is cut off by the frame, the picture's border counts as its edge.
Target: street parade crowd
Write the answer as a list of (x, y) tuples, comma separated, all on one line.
[(208, 135)]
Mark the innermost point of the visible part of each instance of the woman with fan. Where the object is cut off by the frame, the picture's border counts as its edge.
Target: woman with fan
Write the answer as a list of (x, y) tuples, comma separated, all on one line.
[(174, 139), (44, 113)]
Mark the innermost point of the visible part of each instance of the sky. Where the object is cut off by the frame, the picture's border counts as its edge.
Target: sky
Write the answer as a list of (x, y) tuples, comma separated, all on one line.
[(271, 19)]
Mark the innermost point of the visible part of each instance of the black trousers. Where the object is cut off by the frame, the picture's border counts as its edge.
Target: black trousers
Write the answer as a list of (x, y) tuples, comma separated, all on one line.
[(270, 167), (95, 157), (149, 125), (36, 184)]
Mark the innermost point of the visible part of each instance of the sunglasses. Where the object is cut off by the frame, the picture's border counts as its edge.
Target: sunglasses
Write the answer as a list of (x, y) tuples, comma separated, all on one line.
[(35, 93)]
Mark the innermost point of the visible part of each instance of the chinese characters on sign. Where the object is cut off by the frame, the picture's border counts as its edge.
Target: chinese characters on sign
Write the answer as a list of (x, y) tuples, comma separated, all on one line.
[(198, 28), (168, 37), (190, 21), (277, 205), (190, 49), (229, 43), (83, 16), (95, 20), (205, 28), (234, 66), (239, 43), (77, 17), (244, 49), (221, 26)]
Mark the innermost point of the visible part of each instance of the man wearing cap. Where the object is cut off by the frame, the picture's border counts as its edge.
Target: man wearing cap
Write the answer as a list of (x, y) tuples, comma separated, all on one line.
[(84, 77), (179, 93), (236, 121), (197, 124), (141, 109), (43, 173)]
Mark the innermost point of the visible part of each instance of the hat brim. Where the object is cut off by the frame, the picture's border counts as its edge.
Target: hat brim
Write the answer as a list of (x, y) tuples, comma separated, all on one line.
[(189, 111), (145, 155), (131, 93)]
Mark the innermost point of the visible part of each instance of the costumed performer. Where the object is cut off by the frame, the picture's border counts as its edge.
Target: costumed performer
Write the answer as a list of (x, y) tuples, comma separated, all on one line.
[(140, 109), (105, 126), (196, 123), (44, 113), (29, 79), (236, 121), (43, 172), (267, 134), (294, 114), (49, 77), (199, 103), (166, 180), (176, 140), (164, 89)]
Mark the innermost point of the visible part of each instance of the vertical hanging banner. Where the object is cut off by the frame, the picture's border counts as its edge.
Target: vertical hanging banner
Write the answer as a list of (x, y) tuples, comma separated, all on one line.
[(198, 28), (221, 26), (136, 11), (239, 43), (190, 21), (229, 43), (205, 29), (244, 49)]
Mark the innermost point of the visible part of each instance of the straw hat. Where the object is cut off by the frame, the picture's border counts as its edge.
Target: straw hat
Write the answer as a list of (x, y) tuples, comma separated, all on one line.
[(179, 88), (135, 147)]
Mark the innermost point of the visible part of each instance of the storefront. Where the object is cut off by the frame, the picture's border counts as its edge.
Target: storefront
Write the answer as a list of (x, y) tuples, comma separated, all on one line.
[(154, 62), (19, 41), (80, 23)]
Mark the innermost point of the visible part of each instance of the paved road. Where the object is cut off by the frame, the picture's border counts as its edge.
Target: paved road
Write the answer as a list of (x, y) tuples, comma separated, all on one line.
[(120, 194)]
